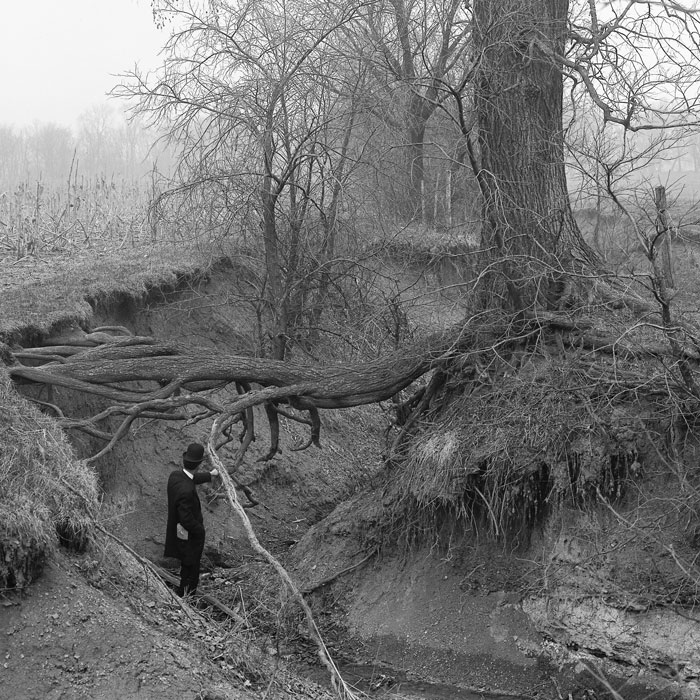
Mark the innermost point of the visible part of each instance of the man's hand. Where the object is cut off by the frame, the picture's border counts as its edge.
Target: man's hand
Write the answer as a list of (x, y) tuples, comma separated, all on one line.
[(214, 472)]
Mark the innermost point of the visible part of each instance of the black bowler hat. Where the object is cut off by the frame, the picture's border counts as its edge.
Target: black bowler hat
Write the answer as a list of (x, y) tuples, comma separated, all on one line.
[(194, 453)]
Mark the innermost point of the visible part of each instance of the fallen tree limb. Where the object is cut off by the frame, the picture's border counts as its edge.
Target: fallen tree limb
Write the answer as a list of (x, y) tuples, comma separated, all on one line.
[(337, 680)]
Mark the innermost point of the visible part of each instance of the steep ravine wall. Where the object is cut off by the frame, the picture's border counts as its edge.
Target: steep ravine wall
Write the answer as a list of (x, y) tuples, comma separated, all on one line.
[(481, 615), (295, 489), (461, 615)]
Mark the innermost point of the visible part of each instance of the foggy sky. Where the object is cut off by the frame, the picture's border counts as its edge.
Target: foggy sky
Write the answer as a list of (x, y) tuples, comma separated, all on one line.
[(56, 56)]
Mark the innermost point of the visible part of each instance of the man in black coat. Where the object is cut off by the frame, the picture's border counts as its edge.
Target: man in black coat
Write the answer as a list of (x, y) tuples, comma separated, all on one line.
[(184, 536)]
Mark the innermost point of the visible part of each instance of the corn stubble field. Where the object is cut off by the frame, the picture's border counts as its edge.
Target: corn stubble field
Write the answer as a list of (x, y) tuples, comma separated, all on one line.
[(36, 218), (87, 238)]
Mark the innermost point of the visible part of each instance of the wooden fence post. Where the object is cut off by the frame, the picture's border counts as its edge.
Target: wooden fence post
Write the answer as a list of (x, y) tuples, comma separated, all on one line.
[(664, 232)]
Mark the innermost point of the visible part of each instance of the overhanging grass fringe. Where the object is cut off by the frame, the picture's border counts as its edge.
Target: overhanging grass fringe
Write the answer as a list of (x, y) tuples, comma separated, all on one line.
[(36, 510)]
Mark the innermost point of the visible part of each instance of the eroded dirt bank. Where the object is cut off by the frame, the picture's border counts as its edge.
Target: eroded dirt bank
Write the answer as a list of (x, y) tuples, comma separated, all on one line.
[(479, 616), (67, 639), (425, 619), (470, 615)]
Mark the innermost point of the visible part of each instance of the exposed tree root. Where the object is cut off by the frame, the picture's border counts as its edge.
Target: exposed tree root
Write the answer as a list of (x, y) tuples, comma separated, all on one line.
[(122, 369), (165, 381)]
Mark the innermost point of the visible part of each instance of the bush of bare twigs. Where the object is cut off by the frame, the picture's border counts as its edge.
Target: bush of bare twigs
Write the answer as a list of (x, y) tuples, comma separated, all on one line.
[(39, 476)]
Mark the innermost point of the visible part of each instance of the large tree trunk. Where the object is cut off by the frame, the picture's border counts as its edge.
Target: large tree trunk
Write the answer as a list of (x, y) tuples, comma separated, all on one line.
[(528, 220)]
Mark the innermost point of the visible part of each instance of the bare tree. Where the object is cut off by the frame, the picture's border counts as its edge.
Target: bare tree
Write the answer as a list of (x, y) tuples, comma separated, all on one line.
[(263, 105), (52, 147), (408, 50), (257, 99), (636, 66)]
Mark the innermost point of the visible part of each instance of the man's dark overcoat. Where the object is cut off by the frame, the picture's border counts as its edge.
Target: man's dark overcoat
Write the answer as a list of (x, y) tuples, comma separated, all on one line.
[(184, 508)]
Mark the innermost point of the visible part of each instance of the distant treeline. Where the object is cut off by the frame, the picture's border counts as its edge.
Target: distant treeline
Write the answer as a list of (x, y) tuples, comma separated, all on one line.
[(103, 145)]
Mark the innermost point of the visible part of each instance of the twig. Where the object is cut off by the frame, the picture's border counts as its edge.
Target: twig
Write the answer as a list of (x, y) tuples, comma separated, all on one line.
[(666, 547), (167, 576), (330, 579)]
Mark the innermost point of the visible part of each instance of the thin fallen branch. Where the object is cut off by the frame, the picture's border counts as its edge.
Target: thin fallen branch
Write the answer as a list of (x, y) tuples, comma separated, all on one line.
[(339, 684), (173, 580), (337, 575)]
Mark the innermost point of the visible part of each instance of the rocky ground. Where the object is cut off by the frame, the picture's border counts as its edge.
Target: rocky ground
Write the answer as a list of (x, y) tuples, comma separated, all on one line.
[(66, 638)]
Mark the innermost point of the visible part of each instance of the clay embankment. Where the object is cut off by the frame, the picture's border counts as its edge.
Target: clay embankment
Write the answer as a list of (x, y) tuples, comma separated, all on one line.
[(459, 616)]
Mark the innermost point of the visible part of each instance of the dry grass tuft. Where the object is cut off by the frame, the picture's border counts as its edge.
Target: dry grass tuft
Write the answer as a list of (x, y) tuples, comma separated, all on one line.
[(437, 466), (37, 509)]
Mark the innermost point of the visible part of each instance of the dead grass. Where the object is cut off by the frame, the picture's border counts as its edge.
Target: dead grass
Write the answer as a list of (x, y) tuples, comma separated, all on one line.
[(63, 247), (37, 509), (36, 217)]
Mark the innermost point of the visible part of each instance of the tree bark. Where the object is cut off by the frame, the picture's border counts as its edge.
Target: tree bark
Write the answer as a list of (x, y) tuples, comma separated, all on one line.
[(528, 221), (109, 370), (663, 241), (419, 111)]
